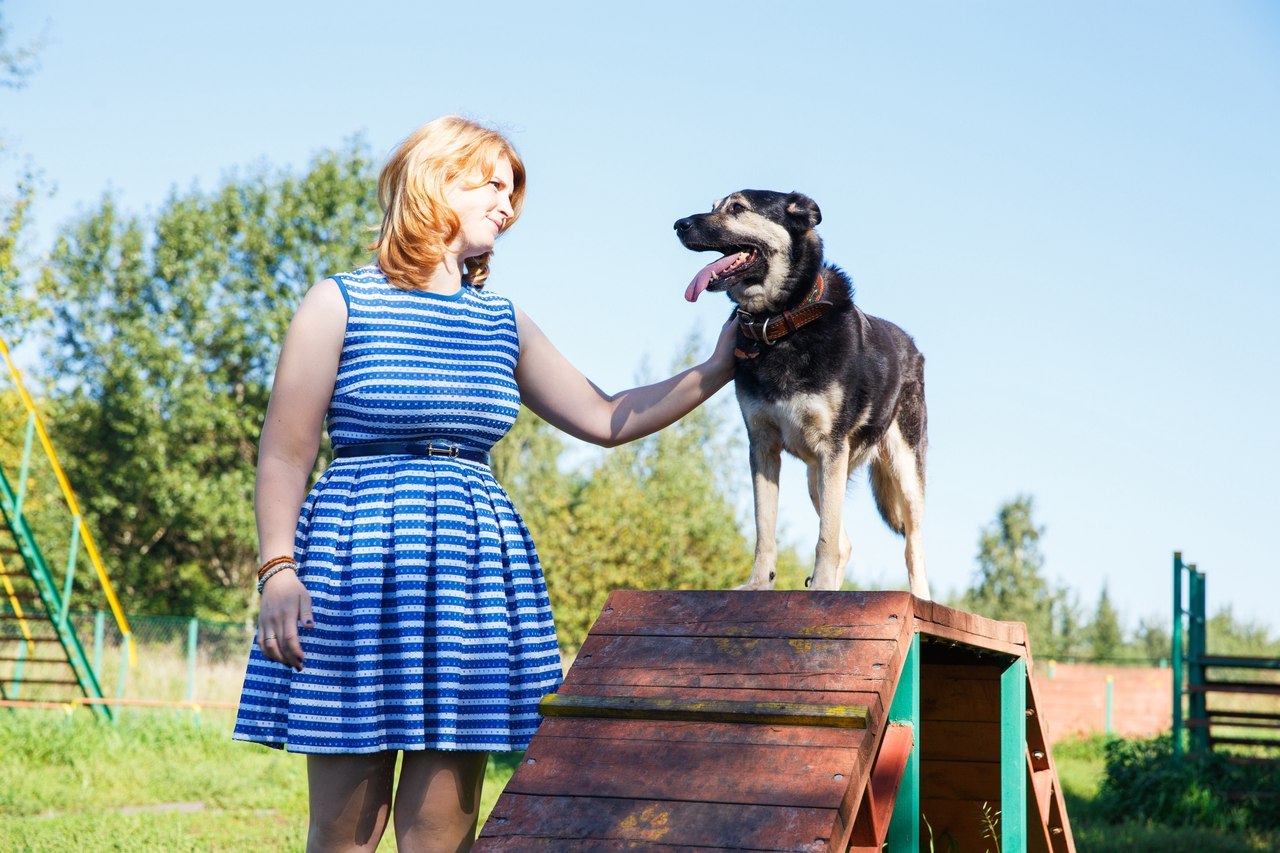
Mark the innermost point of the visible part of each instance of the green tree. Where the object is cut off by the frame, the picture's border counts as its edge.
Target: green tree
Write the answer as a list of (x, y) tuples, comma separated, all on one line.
[(1151, 641), (163, 337), (1106, 638), (654, 514), (17, 308), (1009, 584)]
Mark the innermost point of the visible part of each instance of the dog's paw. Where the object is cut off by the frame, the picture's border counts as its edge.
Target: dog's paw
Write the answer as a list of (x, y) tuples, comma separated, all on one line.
[(753, 586)]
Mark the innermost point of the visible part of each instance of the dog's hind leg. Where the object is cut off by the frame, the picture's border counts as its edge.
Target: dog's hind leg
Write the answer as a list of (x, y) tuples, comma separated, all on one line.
[(897, 481), (766, 460), (833, 479), (845, 547)]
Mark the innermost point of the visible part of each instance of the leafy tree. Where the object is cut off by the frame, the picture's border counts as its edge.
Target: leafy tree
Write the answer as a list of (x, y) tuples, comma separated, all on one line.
[(1105, 635), (1009, 583), (1152, 641), (655, 514), (17, 309), (162, 338)]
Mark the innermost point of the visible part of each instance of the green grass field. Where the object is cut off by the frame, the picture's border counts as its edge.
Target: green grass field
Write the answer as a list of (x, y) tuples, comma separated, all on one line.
[(156, 781)]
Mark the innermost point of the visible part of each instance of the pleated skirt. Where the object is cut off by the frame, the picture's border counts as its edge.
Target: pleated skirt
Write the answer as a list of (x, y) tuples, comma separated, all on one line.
[(432, 624)]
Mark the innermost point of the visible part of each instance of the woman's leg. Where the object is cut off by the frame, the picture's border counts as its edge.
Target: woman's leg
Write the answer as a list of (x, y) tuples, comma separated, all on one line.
[(350, 798), (438, 800)]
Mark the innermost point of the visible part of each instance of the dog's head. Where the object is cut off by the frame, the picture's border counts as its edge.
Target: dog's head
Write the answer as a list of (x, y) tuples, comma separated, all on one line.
[(771, 251)]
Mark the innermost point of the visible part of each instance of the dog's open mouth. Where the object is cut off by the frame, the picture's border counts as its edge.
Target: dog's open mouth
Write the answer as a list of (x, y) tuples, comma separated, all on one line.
[(718, 274)]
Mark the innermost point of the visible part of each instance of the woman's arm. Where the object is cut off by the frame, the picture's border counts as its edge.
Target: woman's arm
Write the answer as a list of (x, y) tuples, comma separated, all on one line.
[(554, 390), (305, 376)]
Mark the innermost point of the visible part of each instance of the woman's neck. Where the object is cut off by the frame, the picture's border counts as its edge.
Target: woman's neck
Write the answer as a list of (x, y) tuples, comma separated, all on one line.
[(446, 278)]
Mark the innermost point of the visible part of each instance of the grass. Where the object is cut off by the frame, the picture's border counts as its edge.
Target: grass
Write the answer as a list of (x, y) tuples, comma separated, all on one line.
[(1081, 769), (156, 781)]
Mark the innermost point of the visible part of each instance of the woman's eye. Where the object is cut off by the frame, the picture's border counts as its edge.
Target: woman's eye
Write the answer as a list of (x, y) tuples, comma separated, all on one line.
[(496, 184)]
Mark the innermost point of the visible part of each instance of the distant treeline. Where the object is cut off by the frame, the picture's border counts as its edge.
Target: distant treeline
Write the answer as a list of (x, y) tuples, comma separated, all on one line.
[(159, 336)]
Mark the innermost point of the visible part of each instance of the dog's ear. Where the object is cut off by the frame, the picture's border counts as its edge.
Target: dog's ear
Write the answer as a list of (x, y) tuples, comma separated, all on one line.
[(803, 210)]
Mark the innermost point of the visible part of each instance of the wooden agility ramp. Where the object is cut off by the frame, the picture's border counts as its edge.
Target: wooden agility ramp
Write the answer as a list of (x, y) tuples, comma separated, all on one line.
[(815, 721)]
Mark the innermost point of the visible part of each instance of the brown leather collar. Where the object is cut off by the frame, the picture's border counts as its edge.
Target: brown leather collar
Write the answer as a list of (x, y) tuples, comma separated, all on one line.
[(772, 329)]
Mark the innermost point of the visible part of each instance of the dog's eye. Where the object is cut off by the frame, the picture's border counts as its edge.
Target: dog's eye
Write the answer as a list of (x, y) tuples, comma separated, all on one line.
[(736, 207)]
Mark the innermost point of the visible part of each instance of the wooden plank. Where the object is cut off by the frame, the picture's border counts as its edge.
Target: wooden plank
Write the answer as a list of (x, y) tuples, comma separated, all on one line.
[(955, 824), (968, 638), (785, 614), (687, 771), (872, 823), (708, 710), (963, 699), (660, 732), (582, 823), (961, 780), (932, 617), (874, 701), (795, 664), (960, 740)]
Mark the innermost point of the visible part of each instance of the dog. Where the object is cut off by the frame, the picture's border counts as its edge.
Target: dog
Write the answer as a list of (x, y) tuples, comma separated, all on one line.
[(815, 376)]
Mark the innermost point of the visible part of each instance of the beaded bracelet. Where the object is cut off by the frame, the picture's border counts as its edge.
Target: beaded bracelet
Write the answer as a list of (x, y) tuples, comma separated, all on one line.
[(272, 563), (275, 570)]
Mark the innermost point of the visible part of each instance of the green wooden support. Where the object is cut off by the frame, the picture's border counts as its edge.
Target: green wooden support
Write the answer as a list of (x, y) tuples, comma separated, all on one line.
[(1013, 758), (72, 553), (1175, 653), (904, 825), (25, 469), (99, 630), (1195, 655), (17, 671), (193, 631)]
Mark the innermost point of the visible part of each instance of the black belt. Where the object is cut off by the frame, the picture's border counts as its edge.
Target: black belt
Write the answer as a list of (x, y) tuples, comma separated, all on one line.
[(411, 448)]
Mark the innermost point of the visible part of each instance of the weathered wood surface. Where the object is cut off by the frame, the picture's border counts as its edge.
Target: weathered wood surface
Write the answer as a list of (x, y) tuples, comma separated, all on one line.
[(705, 710), (788, 614), (598, 820), (693, 771), (598, 784)]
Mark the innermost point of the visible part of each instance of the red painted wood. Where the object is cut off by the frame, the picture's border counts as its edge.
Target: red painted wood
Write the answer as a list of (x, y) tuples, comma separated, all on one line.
[(690, 771), (872, 823), (582, 823), (826, 615), (727, 734)]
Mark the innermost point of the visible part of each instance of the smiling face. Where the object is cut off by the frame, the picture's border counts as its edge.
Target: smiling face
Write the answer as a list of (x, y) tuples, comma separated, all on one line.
[(483, 206)]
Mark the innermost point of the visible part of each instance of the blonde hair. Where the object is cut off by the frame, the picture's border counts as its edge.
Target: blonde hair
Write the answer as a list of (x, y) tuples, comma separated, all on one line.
[(417, 222)]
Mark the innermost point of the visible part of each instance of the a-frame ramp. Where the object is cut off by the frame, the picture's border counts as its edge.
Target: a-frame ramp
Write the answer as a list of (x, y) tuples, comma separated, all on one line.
[(788, 721)]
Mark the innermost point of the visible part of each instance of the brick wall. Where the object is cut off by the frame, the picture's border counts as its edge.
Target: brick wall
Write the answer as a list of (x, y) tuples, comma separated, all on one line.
[(1072, 699)]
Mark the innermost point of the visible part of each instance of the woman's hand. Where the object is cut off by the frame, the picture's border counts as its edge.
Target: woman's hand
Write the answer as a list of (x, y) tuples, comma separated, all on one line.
[(722, 358), (286, 606)]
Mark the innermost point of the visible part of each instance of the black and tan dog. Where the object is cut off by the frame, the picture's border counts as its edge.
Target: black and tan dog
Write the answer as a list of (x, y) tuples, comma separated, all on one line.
[(816, 377)]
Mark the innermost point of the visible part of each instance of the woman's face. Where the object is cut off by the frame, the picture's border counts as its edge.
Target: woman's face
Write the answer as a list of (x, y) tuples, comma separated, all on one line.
[(482, 211)]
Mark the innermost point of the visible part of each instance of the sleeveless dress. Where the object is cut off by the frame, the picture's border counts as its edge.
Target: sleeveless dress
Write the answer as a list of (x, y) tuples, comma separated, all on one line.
[(432, 625)]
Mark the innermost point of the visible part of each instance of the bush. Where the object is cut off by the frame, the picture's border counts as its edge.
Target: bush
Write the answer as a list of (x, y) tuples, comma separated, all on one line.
[(1145, 781)]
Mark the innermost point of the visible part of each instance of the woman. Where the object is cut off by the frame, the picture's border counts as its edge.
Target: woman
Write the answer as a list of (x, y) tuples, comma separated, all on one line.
[(415, 619)]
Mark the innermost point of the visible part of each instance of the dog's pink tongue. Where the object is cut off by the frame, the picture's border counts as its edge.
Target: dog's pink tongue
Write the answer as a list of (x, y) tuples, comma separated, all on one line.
[(703, 278)]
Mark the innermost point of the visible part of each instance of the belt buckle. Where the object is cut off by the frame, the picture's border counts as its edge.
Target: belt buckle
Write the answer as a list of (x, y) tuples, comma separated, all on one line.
[(449, 450)]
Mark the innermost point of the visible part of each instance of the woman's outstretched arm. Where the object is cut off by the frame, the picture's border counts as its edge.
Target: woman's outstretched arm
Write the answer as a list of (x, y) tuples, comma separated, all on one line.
[(558, 393)]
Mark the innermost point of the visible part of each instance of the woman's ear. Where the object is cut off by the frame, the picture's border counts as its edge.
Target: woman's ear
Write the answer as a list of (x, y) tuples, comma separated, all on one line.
[(803, 210)]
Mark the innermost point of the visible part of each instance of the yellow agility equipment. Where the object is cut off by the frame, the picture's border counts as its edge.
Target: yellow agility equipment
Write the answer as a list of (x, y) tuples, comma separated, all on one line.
[(68, 494)]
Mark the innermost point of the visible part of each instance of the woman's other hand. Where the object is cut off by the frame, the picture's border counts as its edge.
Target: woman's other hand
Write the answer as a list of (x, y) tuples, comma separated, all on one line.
[(286, 609)]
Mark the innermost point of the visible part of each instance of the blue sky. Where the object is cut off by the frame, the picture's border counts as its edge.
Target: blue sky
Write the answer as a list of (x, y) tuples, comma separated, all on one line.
[(1074, 208)]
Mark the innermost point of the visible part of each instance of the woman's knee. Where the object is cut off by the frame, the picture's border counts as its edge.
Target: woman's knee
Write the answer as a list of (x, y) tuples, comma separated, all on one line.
[(350, 800)]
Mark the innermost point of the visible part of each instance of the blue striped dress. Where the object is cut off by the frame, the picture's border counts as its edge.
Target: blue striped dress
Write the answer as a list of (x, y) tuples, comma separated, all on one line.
[(433, 629)]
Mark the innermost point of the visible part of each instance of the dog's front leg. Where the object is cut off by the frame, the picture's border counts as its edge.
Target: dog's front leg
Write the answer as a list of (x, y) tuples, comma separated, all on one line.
[(833, 480), (766, 460)]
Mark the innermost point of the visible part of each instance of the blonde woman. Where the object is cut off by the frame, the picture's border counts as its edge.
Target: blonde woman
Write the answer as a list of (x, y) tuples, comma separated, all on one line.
[(404, 610)]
